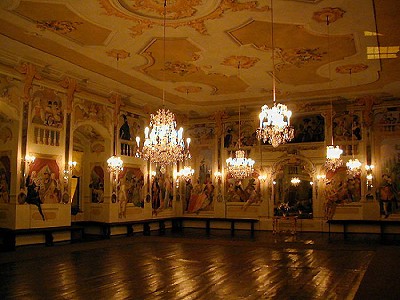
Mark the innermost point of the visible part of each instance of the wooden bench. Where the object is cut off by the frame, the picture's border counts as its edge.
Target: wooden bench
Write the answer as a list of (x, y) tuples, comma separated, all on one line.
[(106, 226), (9, 235), (382, 223), (178, 223)]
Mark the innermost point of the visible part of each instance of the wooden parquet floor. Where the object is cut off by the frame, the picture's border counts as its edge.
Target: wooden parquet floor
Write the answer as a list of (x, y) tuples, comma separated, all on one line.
[(191, 266)]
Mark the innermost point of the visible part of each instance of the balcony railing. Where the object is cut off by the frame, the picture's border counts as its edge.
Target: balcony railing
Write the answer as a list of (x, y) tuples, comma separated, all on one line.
[(45, 135)]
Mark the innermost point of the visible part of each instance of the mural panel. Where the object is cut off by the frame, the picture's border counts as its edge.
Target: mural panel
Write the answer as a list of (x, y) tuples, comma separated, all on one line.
[(308, 129), (161, 190), (130, 126), (247, 134), (97, 184), (5, 176), (347, 126), (341, 188), (45, 173)]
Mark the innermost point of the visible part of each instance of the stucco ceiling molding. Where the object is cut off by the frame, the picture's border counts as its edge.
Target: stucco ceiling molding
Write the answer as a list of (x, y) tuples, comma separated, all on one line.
[(188, 89), (242, 62), (352, 68), (64, 21), (331, 13), (180, 13)]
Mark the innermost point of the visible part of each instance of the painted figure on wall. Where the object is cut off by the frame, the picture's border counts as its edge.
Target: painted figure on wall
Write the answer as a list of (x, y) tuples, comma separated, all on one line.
[(388, 196), (347, 126), (246, 190), (47, 109), (341, 188), (201, 197), (247, 134), (122, 199), (308, 129), (4, 179), (133, 179), (155, 194), (32, 193), (45, 173), (97, 184), (129, 127)]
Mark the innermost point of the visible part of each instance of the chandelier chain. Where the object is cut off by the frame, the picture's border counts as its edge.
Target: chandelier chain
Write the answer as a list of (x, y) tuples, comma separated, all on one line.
[(333, 159), (275, 125), (164, 144)]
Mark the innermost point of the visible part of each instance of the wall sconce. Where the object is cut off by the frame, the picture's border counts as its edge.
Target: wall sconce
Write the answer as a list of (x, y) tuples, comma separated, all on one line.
[(369, 176), (218, 176), (295, 181), (321, 177), (70, 169), (262, 178), (186, 174), (153, 174), (72, 165), (29, 159)]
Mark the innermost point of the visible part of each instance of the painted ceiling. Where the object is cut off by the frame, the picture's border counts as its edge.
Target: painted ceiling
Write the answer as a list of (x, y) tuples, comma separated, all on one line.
[(209, 55)]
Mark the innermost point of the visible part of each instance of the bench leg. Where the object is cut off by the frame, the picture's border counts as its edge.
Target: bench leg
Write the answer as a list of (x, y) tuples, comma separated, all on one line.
[(161, 230), (106, 231), (48, 239), (252, 229), (232, 228), (146, 229), (129, 230), (176, 225), (9, 241), (208, 227)]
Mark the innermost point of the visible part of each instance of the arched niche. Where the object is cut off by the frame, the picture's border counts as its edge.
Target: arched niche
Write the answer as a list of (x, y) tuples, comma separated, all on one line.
[(291, 197), (90, 142)]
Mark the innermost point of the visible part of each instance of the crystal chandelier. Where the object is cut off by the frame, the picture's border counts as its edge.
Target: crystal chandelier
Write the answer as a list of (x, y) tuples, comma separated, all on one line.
[(115, 164), (353, 167), (275, 125), (163, 145), (333, 160), (240, 167)]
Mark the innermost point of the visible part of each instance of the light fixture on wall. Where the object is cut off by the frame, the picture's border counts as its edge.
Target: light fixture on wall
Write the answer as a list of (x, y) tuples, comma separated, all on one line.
[(164, 145), (295, 181), (115, 164), (333, 153), (240, 167), (275, 125), (186, 173), (29, 159), (369, 177)]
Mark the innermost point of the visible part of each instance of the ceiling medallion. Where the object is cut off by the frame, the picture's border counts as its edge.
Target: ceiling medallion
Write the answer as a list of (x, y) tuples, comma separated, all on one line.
[(332, 13), (245, 62), (189, 89), (298, 57), (193, 13), (353, 68), (118, 54), (62, 27)]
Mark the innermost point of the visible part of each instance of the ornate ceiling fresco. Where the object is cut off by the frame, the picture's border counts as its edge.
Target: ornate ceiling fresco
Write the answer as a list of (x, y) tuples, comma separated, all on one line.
[(215, 52)]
